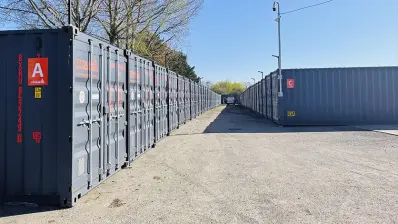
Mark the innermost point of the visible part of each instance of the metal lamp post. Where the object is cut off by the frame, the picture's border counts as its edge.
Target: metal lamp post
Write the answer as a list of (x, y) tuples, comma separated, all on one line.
[(278, 19), (254, 81)]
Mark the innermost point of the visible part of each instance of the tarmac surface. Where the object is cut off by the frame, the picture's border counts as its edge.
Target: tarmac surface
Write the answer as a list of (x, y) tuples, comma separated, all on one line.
[(231, 166)]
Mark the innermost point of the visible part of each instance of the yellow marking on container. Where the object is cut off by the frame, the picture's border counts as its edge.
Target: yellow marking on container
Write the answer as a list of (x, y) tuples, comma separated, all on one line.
[(37, 92), (291, 113)]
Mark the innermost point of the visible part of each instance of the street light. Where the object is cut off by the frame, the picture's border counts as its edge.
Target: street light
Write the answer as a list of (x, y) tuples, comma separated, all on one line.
[(262, 74), (278, 19), (254, 80)]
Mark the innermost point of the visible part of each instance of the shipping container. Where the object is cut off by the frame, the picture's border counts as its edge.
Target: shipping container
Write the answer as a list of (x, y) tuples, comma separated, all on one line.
[(331, 96), (193, 99), (161, 124), (57, 141), (172, 101), (74, 110), (187, 99), (181, 100), (268, 97)]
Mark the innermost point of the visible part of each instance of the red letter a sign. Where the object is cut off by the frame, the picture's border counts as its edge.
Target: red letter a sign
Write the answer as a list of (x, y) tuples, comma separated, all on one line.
[(37, 71)]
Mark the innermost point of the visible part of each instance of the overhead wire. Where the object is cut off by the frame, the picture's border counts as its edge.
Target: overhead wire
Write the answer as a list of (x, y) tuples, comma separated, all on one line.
[(306, 7)]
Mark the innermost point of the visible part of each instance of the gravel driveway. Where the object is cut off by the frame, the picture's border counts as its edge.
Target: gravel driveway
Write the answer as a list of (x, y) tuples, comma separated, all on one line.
[(230, 166)]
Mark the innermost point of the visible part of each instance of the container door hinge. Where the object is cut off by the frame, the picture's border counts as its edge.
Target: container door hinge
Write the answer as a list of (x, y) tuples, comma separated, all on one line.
[(106, 110)]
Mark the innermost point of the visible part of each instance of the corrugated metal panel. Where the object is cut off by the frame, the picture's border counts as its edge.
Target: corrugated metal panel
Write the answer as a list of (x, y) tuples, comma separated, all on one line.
[(340, 96)]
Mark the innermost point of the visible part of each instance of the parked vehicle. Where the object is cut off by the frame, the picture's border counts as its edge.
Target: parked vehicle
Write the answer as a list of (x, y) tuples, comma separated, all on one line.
[(230, 100)]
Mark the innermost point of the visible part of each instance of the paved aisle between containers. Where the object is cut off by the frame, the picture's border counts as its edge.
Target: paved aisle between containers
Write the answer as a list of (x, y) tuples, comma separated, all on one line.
[(231, 166), (75, 110)]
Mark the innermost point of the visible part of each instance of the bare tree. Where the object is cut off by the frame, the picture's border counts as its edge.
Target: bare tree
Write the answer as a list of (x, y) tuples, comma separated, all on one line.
[(147, 27), (33, 14), (140, 24), (166, 20)]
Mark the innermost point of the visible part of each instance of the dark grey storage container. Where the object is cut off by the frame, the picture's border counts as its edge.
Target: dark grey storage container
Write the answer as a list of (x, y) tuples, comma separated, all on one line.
[(181, 100), (336, 96), (63, 131), (161, 126), (173, 101), (327, 96)]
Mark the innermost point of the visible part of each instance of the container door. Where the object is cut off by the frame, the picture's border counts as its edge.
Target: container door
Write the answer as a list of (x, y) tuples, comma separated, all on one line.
[(191, 91), (170, 101), (180, 100), (151, 104), (164, 103), (147, 104), (269, 97), (140, 64), (157, 127), (187, 100), (264, 97), (115, 114), (134, 109), (275, 115), (89, 166), (175, 101)]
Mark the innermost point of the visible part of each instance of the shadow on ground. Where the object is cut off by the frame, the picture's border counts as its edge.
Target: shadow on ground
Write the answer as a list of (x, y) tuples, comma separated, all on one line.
[(232, 119), (237, 119), (15, 209)]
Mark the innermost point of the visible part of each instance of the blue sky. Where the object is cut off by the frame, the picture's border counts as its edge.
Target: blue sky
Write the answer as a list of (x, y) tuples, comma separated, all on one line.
[(233, 39)]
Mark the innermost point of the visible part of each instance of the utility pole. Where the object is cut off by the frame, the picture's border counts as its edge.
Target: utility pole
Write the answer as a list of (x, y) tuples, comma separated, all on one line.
[(70, 12), (278, 19)]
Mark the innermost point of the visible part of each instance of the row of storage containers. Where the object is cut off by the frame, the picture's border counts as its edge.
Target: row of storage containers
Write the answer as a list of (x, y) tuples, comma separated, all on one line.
[(74, 110), (327, 96)]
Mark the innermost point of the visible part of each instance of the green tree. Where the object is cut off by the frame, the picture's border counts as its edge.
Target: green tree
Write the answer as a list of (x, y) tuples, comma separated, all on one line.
[(228, 87), (178, 62)]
